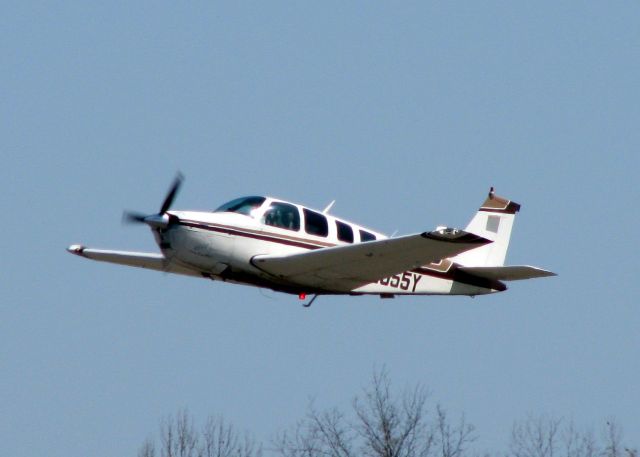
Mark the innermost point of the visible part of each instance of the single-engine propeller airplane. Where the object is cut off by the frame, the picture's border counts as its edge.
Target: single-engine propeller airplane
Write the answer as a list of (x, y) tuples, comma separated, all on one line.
[(270, 243)]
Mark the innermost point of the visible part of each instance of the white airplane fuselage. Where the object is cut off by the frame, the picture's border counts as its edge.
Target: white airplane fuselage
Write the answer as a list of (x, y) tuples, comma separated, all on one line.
[(222, 245)]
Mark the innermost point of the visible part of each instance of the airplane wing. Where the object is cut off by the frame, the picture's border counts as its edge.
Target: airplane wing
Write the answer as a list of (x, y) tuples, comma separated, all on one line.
[(508, 273), (344, 268), (149, 260)]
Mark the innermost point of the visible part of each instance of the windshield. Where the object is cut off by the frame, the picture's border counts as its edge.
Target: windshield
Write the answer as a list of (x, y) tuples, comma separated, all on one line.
[(243, 205)]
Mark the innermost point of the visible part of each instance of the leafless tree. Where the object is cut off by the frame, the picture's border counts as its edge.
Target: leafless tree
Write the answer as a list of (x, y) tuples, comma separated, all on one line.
[(389, 427), (382, 424), (577, 444), (452, 440), (319, 434), (535, 437), (148, 449), (179, 437), (219, 439), (549, 437), (613, 442)]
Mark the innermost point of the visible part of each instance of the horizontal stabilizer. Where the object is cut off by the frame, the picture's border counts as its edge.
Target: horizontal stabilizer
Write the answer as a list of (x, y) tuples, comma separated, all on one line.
[(508, 273), (149, 260)]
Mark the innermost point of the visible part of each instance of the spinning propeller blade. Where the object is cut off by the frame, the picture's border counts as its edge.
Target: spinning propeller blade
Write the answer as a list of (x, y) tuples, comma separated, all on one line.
[(156, 220), (175, 187), (131, 217)]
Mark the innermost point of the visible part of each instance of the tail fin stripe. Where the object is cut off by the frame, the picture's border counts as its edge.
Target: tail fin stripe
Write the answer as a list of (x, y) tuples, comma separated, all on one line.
[(511, 208)]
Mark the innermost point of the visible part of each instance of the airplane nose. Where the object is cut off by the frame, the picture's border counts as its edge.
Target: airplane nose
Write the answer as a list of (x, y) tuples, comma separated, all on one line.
[(157, 220)]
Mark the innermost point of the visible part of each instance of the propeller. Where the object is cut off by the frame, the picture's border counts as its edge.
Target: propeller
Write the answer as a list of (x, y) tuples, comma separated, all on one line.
[(130, 217), (175, 187), (162, 219)]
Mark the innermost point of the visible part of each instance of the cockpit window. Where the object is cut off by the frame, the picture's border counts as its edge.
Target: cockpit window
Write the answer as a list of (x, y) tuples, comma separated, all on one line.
[(282, 215), (243, 205)]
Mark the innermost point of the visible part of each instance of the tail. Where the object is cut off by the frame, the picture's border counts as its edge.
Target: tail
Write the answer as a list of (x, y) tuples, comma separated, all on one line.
[(494, 221)]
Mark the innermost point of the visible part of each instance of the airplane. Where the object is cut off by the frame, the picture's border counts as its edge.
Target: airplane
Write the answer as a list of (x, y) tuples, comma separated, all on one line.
[(272, 243)]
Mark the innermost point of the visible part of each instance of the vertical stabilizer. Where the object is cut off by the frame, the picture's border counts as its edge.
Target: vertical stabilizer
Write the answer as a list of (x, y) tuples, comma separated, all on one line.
[(493, 221)]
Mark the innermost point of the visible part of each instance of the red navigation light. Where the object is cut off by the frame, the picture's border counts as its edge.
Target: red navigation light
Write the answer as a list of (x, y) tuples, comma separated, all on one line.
[(302, 295)]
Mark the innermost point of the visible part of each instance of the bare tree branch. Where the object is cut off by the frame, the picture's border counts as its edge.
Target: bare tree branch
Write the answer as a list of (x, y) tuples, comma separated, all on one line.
[(301, 442), (578, 444), (178, 436), (544, 437), (388, 427), (612, 439), (331, 430), (219, 439), (535, 437), (453, 440), (148, 449)]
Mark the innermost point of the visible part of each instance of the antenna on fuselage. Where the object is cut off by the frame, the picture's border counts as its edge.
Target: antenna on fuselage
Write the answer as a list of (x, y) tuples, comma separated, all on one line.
[(329, 206), (302, 296)]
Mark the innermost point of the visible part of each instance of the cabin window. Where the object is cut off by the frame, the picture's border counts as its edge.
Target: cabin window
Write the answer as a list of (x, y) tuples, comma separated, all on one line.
[(315, 223), (282, 215), (366, 236), (243, 205), (345, 232)]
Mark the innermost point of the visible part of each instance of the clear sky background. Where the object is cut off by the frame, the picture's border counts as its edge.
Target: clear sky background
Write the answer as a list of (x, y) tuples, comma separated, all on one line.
[(406, 113)]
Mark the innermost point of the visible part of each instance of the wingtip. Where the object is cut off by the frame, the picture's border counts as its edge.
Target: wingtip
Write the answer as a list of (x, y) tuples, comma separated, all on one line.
[(542, 273), (76, 249)]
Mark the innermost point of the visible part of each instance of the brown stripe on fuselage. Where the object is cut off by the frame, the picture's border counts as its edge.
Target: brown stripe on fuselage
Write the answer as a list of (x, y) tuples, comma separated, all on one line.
[(258, 235)]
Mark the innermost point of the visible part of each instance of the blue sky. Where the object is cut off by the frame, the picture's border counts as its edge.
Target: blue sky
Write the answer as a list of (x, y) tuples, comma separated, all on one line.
[(405, 114)]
